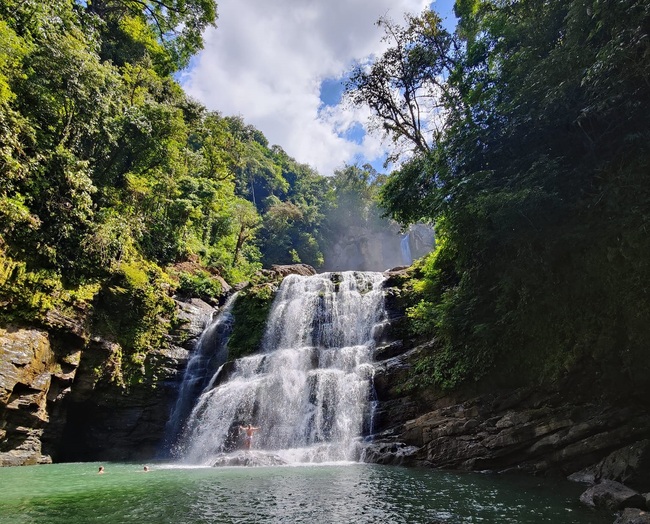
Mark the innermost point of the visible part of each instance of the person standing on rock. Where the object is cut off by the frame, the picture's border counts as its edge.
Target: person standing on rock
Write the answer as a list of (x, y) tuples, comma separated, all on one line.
[(248, 438)]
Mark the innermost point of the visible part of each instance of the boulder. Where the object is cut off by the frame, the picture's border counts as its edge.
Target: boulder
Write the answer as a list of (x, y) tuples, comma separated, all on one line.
[(194, 314), (629, 465), (633, 516), (248, 458), (73, 322), (391, 453), (386, 351), (292, 269), (226, 288), (613, 496)]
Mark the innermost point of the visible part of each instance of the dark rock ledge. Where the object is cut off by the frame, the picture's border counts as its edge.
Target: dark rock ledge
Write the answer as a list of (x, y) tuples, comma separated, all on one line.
[(568, 429)]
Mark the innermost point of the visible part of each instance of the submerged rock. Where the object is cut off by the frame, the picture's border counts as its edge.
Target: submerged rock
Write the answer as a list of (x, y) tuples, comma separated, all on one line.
[(391, 453), (633, 516), (613, 496), (248, 458)]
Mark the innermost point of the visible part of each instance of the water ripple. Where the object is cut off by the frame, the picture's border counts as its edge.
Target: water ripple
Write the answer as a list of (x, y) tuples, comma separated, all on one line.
[(75, 494)]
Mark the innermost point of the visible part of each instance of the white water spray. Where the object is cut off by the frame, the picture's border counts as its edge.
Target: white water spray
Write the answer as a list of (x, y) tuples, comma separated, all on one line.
[(210, 353), (405, 245), (308, 390)]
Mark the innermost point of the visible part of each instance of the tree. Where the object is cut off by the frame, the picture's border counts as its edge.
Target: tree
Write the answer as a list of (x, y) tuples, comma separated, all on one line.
[(246, 220), (177, 24), (406, 87)]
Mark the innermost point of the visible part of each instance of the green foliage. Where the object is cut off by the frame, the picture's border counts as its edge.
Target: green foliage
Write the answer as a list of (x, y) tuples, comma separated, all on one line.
[(28, 295), (175, 25), (538, 191), (200, 285), (133, 309), (110, 173), (252, 308)]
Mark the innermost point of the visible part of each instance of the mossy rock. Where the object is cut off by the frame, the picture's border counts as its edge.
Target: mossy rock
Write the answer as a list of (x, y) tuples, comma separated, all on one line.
[(250, 311)]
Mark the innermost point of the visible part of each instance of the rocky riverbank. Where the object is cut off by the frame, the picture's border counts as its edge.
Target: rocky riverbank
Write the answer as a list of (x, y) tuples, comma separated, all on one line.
[(575, 427)]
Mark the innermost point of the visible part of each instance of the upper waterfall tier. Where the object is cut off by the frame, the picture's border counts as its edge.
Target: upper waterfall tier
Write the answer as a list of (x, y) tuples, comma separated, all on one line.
[(329, 310)]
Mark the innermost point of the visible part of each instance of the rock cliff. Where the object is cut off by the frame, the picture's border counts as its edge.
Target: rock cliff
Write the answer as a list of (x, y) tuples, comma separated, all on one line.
[(60, 399)]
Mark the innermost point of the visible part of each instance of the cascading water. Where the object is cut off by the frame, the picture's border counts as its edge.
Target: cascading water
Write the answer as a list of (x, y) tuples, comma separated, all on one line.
[(308, 390), (405, 244), (210, 353)]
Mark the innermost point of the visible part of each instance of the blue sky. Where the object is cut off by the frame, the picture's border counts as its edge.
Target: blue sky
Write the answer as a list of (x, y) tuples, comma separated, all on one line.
[(280, 65)]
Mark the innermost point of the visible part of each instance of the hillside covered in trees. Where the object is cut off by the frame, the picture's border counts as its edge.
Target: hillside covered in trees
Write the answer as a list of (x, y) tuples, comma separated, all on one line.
[(117, 190)]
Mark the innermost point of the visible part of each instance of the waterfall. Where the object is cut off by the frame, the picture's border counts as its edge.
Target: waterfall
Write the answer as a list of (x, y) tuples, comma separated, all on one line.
[(308, 390), (405, 244), (210, 353)]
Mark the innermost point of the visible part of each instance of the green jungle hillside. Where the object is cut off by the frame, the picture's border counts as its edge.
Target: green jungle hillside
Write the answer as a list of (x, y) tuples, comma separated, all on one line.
[(117, 190), (524, 137)]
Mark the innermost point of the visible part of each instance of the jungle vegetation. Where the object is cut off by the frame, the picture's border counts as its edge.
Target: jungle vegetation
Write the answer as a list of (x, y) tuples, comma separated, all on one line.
[(526, 138), (117, 189), (524, 135)]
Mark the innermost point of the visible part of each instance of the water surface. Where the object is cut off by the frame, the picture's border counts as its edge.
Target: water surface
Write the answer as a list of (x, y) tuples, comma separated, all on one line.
[(354, 493)]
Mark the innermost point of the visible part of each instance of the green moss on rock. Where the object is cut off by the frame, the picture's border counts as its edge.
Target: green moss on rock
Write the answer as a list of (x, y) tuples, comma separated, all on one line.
[(251, 311)]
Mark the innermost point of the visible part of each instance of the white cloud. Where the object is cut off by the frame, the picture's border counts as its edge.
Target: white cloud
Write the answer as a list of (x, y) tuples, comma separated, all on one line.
[(266, 62)]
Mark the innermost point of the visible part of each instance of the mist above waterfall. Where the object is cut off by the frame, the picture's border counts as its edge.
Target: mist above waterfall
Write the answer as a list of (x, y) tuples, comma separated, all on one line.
[(377, 245), (358, 236)]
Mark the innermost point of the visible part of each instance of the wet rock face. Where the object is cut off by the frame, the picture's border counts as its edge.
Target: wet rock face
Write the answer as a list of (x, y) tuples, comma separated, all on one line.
[(59, 400), (33, 380), (525, 429), (106, 421)]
